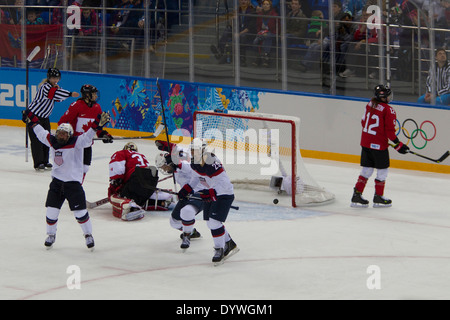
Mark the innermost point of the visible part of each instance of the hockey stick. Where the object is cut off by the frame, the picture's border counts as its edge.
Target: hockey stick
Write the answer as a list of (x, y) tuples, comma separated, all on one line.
[(91, 205), (163, 110), (154, 135), (189, 196), (439, 160), (98, 203), (29, 59), (442, 158)]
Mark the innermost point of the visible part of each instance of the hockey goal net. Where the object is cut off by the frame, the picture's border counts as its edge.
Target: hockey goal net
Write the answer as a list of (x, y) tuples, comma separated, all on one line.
[(260, 152)]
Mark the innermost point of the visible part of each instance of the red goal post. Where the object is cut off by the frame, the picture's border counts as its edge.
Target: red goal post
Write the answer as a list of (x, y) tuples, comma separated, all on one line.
[(260, 152)]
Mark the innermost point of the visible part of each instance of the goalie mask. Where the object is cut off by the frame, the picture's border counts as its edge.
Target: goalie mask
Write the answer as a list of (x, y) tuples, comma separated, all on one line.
[(60, 136), (131, 146)]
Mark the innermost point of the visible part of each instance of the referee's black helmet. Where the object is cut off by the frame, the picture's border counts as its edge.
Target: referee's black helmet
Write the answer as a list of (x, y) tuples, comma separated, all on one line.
[(53, 73)]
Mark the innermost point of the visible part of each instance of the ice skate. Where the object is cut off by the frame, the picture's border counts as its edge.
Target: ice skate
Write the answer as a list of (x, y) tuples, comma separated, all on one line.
[(50, 241), (40, 168), (381, 201), (89, 241), (218, 256), (358, 200), (186, 241), (230, 249), (194, 235)]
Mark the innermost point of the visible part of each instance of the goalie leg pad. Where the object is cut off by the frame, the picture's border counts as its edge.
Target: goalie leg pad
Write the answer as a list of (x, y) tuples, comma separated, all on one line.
[(125, 209)]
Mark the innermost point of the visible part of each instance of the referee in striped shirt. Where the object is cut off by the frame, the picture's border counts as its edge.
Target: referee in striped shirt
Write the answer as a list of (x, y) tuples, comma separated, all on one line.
[(42, 106), (442, 75)]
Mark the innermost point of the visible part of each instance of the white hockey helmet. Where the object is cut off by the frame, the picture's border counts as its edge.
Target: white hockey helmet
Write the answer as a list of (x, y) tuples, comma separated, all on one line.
[(162, 160), (66, 127), (198, 144), (130, 146)]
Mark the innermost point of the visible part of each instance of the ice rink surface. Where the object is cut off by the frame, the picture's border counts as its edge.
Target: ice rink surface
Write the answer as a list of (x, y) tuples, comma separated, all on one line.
[(323, 252)]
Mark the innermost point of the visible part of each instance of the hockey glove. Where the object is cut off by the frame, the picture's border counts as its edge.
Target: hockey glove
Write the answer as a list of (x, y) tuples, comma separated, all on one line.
[(184, 192), (100, 121), (164, 146), (106, 137), (29, 117), (401, 148), (208, 195)]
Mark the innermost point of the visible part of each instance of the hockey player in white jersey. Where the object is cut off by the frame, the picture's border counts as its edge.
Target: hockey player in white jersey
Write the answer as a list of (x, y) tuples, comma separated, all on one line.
[(67, 173), (217, 194), (183, 215)]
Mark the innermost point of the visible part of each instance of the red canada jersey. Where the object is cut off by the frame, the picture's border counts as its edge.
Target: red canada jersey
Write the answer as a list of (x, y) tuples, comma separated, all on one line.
[(80, 116), (378, 126), (124, 162)]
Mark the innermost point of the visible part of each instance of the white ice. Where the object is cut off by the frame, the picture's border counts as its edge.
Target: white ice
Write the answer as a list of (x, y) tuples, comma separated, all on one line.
[(326, 252)]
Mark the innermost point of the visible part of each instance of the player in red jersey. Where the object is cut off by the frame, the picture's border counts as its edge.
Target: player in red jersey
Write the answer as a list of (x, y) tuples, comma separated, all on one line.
[(378, 127), (81, 114), (132, 184)]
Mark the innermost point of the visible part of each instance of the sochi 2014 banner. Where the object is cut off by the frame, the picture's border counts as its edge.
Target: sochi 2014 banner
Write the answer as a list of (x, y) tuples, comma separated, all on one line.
[(36, 35)]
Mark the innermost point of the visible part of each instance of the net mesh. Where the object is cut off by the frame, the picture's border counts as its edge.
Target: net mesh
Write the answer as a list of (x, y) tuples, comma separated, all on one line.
[(257, 150)]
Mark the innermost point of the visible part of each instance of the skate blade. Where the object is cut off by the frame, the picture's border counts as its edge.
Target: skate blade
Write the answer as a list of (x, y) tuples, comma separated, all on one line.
[(232, 253), (218, 263), (381, 205), (48, 247), (91, 249), (358, 205)]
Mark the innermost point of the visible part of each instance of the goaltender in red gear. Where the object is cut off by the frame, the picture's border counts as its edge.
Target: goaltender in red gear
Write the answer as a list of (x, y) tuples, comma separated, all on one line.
[(81, 114), (132, 184)]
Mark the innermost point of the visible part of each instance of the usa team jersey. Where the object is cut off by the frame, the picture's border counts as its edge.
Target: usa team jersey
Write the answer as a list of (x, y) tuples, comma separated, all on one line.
[(124, 162), (184, 174), (67, 159), (80, 116), (378, 123), (211, 175)]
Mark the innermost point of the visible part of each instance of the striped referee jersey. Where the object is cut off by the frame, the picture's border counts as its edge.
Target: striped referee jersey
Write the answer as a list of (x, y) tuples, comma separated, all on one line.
[(442, 80), (44, 101)]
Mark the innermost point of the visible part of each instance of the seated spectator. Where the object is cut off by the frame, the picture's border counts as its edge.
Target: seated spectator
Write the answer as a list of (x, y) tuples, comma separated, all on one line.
[(247, 31), (125, 21), (267, 27), (316, 39), (13, 15), (363, 36), (343, 38), (33, 17), (296, 24), (355, 7), (442, 78), (257, 4), (90, 26)]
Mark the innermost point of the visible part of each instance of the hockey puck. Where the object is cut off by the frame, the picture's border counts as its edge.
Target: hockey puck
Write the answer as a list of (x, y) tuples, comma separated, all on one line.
[(275, 201)]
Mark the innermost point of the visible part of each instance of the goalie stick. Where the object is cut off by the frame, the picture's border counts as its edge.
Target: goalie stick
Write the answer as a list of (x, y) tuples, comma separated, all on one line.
[(91, 205), (190, 196), (154, 135), (98, 203)]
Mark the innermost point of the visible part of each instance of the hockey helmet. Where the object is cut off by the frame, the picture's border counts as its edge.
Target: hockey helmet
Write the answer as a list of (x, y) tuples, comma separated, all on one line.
[(64, 127), (130, 146), (198, 144), (53, 73), (383, 92), (162, 160), (86, 92)]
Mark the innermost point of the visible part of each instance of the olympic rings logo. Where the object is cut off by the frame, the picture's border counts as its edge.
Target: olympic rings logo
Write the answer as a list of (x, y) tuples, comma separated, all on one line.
[(411, 133)]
